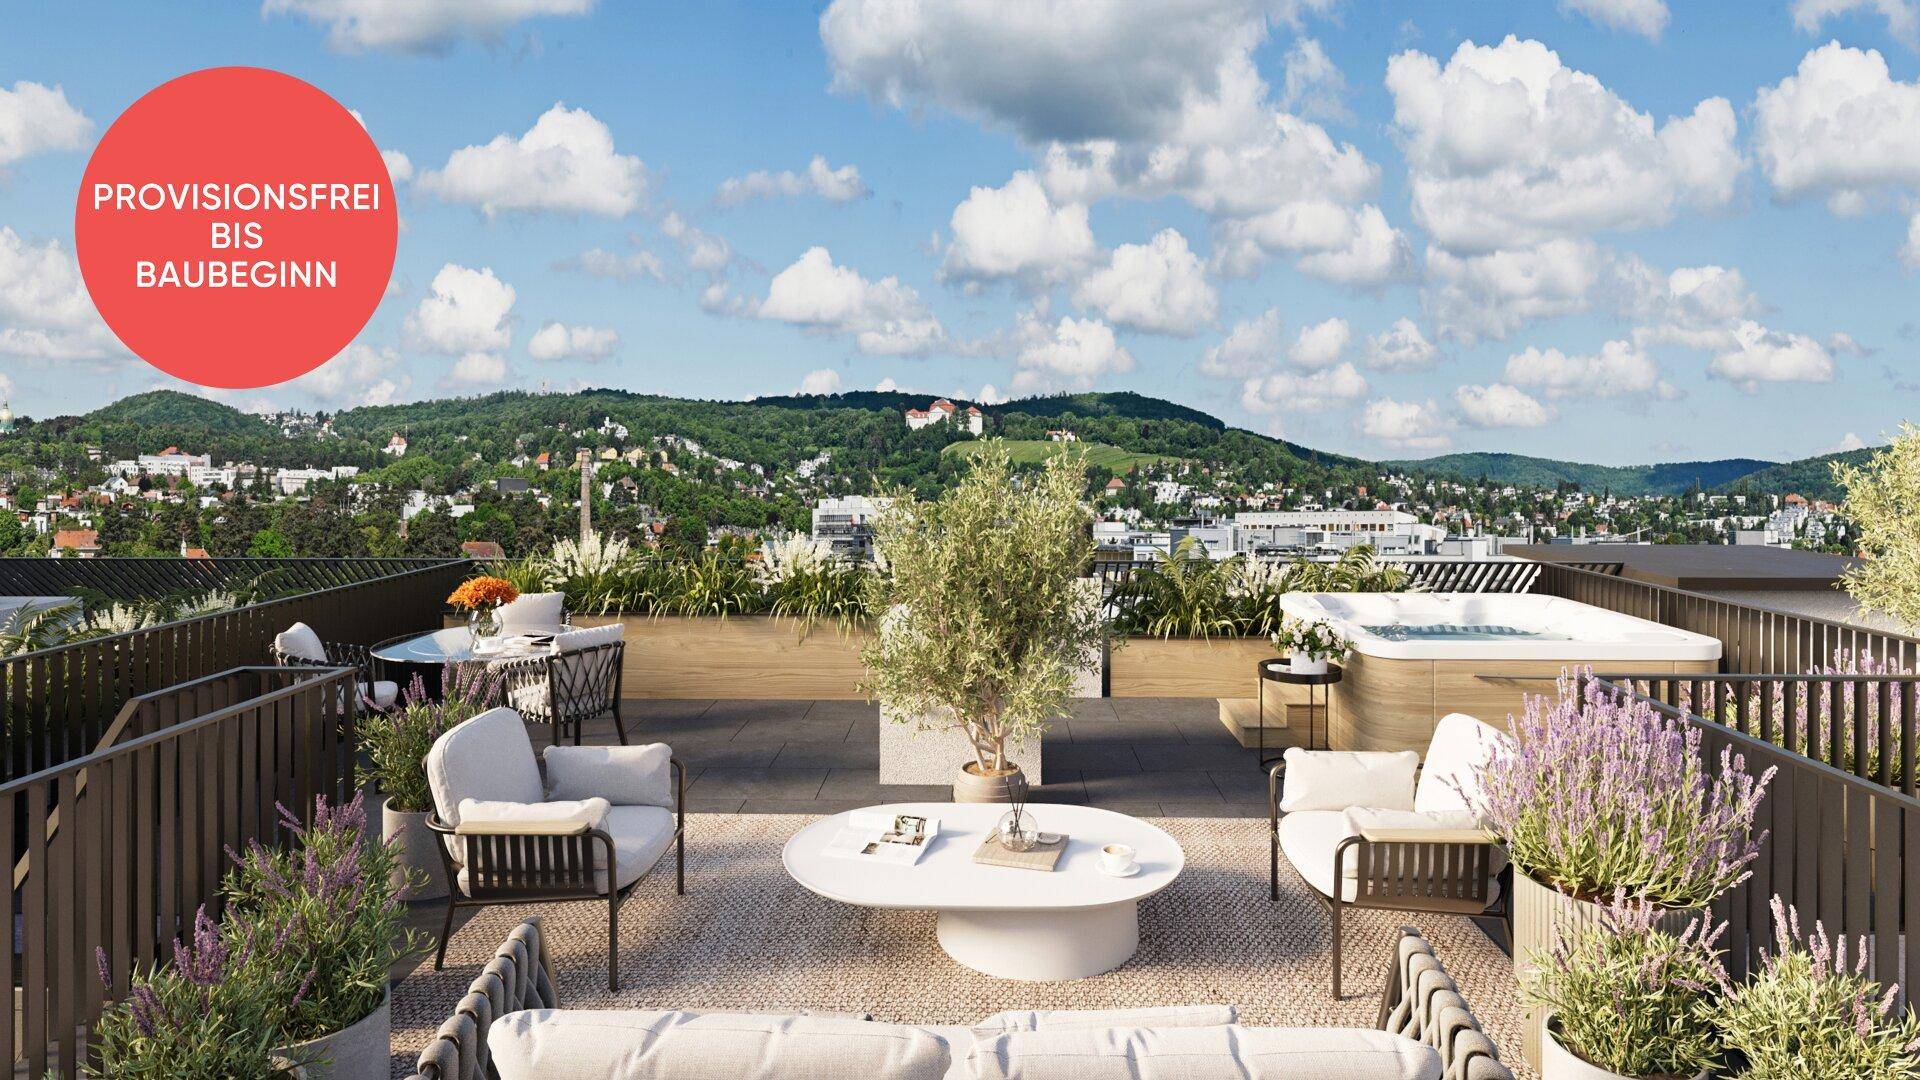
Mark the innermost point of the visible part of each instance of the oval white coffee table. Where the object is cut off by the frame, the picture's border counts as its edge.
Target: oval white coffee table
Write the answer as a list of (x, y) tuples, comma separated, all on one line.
[(1073, 923)]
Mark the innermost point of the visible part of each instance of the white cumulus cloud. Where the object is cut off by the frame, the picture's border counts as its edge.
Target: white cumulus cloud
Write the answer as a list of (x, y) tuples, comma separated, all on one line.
[(1158, 287), (1619, 369), (464, 311), (1072, 352), (1491, 295), (35, 119), (1401, 347), (566, 163), (558, 341), (1759, 355), (360, 374), (1407, 425), (418, 25), (616, 265), (45, 312), (1840, 127), (1498, 405), (834, 185), (1016, 231), (1902, 16), (821, 381), (477, 371), (1321, 345), (885, 317), (1250, 348), (1507, 147), (1644, 17), (1304, 391)]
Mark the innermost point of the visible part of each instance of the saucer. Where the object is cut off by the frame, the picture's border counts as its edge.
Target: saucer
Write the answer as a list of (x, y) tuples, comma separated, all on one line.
[(1132, 869)]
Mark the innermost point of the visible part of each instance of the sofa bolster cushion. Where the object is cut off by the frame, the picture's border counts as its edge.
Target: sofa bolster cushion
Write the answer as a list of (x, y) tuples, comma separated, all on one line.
[(1337, 779), (622, 775), (556, 818), (1203, 1053), (633, 1044), (1166, 1016)]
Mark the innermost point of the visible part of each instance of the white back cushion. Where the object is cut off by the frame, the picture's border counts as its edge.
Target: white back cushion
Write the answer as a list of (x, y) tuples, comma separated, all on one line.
[(592, 1044), (300, 641), (623, 775), (1460, 749), (575, 640), (1207, 1053), (488, 758), (1163, 1016), (533, 611), (1337, 779)]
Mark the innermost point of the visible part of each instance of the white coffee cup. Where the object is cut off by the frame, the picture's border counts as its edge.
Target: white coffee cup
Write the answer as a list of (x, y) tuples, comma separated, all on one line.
[(1116, 858)]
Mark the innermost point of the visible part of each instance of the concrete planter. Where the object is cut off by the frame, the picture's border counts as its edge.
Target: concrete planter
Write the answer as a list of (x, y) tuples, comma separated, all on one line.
[(419, 852), (357, 1052), (1541, 914), (932, 751)]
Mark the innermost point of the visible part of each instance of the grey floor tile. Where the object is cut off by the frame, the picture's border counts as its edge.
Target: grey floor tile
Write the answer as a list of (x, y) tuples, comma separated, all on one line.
[(864, 785), (758, 783), (728, 755), (1156, 786), (1107, 759), (1092, 709), (800, 806), (1160, 757), (753, 709), (716, 804), (836, 754), (849, 710)]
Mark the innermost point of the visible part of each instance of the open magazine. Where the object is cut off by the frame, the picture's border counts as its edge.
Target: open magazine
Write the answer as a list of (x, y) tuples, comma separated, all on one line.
[(889, 838)]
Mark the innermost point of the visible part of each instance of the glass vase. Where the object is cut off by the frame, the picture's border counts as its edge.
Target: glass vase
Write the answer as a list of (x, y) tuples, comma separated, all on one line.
[(1017, 831), (483, 624)]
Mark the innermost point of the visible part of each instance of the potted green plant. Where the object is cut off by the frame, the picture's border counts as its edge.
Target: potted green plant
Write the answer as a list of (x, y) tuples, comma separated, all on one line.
[(986, 627), (1625, 999), (396, 743), (1809, 1013), (323, 924), (1600, 795), (1309, 644)]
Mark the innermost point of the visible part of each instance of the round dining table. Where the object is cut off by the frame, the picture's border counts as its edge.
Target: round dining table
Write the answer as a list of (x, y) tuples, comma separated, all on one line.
[(428, 654)]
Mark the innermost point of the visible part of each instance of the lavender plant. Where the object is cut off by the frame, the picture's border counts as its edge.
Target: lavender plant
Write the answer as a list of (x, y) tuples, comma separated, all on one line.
[(1602, 794), (205, 1015), (1630, 997), (397, 741), (324, 920), (1808, 1013)]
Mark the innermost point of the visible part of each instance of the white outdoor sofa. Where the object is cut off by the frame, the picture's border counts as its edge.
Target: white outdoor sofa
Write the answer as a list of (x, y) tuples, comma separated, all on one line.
[(510, 1026), (1396, 834)]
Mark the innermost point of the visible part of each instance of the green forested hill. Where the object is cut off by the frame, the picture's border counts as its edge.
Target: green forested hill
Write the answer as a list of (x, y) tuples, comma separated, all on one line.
[(1671, 478), (1812, 477)]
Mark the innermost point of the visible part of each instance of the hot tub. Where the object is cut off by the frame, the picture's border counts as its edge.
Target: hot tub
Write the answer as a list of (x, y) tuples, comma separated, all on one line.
[(1419, 656)]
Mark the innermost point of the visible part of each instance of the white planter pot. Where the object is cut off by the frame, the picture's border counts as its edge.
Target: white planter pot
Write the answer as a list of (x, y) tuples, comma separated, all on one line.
[(357, 1052), (1541, 914), (418, 852), (1559, 1063), (1308, 664), (934, 752)]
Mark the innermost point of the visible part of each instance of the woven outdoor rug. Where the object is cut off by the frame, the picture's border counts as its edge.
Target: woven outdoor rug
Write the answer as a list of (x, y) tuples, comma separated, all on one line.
[(746, 938)]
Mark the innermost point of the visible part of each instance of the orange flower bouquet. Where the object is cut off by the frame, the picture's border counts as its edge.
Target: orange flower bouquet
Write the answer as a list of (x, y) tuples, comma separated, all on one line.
[(483, 596)]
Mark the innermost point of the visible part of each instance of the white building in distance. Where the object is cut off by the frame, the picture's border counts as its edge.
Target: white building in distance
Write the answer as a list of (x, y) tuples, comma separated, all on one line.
[(943, 410)]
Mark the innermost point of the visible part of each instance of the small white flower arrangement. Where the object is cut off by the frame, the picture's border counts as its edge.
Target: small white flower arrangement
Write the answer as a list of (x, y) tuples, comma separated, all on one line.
[(1310, 644)]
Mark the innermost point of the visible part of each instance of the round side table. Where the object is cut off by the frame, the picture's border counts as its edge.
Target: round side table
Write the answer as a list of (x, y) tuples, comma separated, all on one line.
[(1277, 670)]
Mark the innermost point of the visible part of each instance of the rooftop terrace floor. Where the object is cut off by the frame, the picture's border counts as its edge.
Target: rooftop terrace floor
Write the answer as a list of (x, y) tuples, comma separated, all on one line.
[(745, 937)]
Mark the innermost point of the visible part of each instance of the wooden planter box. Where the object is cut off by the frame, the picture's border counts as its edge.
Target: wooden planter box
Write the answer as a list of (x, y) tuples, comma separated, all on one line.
[(742, 656), (1186, 667)]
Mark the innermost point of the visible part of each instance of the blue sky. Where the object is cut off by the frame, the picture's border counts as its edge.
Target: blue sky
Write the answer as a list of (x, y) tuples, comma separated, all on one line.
[(1610, 230)]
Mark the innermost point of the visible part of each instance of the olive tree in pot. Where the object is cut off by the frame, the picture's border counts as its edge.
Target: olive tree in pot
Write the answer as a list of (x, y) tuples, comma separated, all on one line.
[(1602, 795), (985, 627)]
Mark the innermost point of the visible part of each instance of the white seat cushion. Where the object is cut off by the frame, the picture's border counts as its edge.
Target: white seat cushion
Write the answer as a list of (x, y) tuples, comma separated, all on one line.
[(1308, 839), (1337, 779), (553, 818), (1166, 1016), (1205, 1053), (641, 834), (299, 641), (381, 692), (624, 775), (533, 611), (1461, 747), (584, 1044)]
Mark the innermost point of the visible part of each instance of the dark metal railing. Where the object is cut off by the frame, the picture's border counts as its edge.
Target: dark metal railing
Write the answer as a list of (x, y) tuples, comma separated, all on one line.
[(114, 851), (147, 578), (1839, 849), (1757, 641), (1426, 574), (56, 703)]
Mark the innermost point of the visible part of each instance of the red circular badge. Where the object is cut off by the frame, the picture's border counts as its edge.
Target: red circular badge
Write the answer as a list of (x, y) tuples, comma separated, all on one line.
[(236, 227)]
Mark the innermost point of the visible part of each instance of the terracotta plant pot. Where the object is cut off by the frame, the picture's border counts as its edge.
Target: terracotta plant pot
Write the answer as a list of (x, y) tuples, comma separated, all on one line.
[(1541, 914), (1559, 1063), (973, 786), (419, 853), (360, 1050)]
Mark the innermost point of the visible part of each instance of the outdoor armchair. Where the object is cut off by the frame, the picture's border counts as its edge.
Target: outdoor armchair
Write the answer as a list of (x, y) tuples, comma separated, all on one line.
[(1377, 830), (298, 645), (599, 821), (578, 680)]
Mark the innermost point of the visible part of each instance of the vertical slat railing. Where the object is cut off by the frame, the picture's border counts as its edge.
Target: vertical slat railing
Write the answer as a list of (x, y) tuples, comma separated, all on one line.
[(119, 848)]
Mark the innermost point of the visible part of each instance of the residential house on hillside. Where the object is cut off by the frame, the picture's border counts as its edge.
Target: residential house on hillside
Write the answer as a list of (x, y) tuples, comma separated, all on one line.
[(943, 410), (75, 544)]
